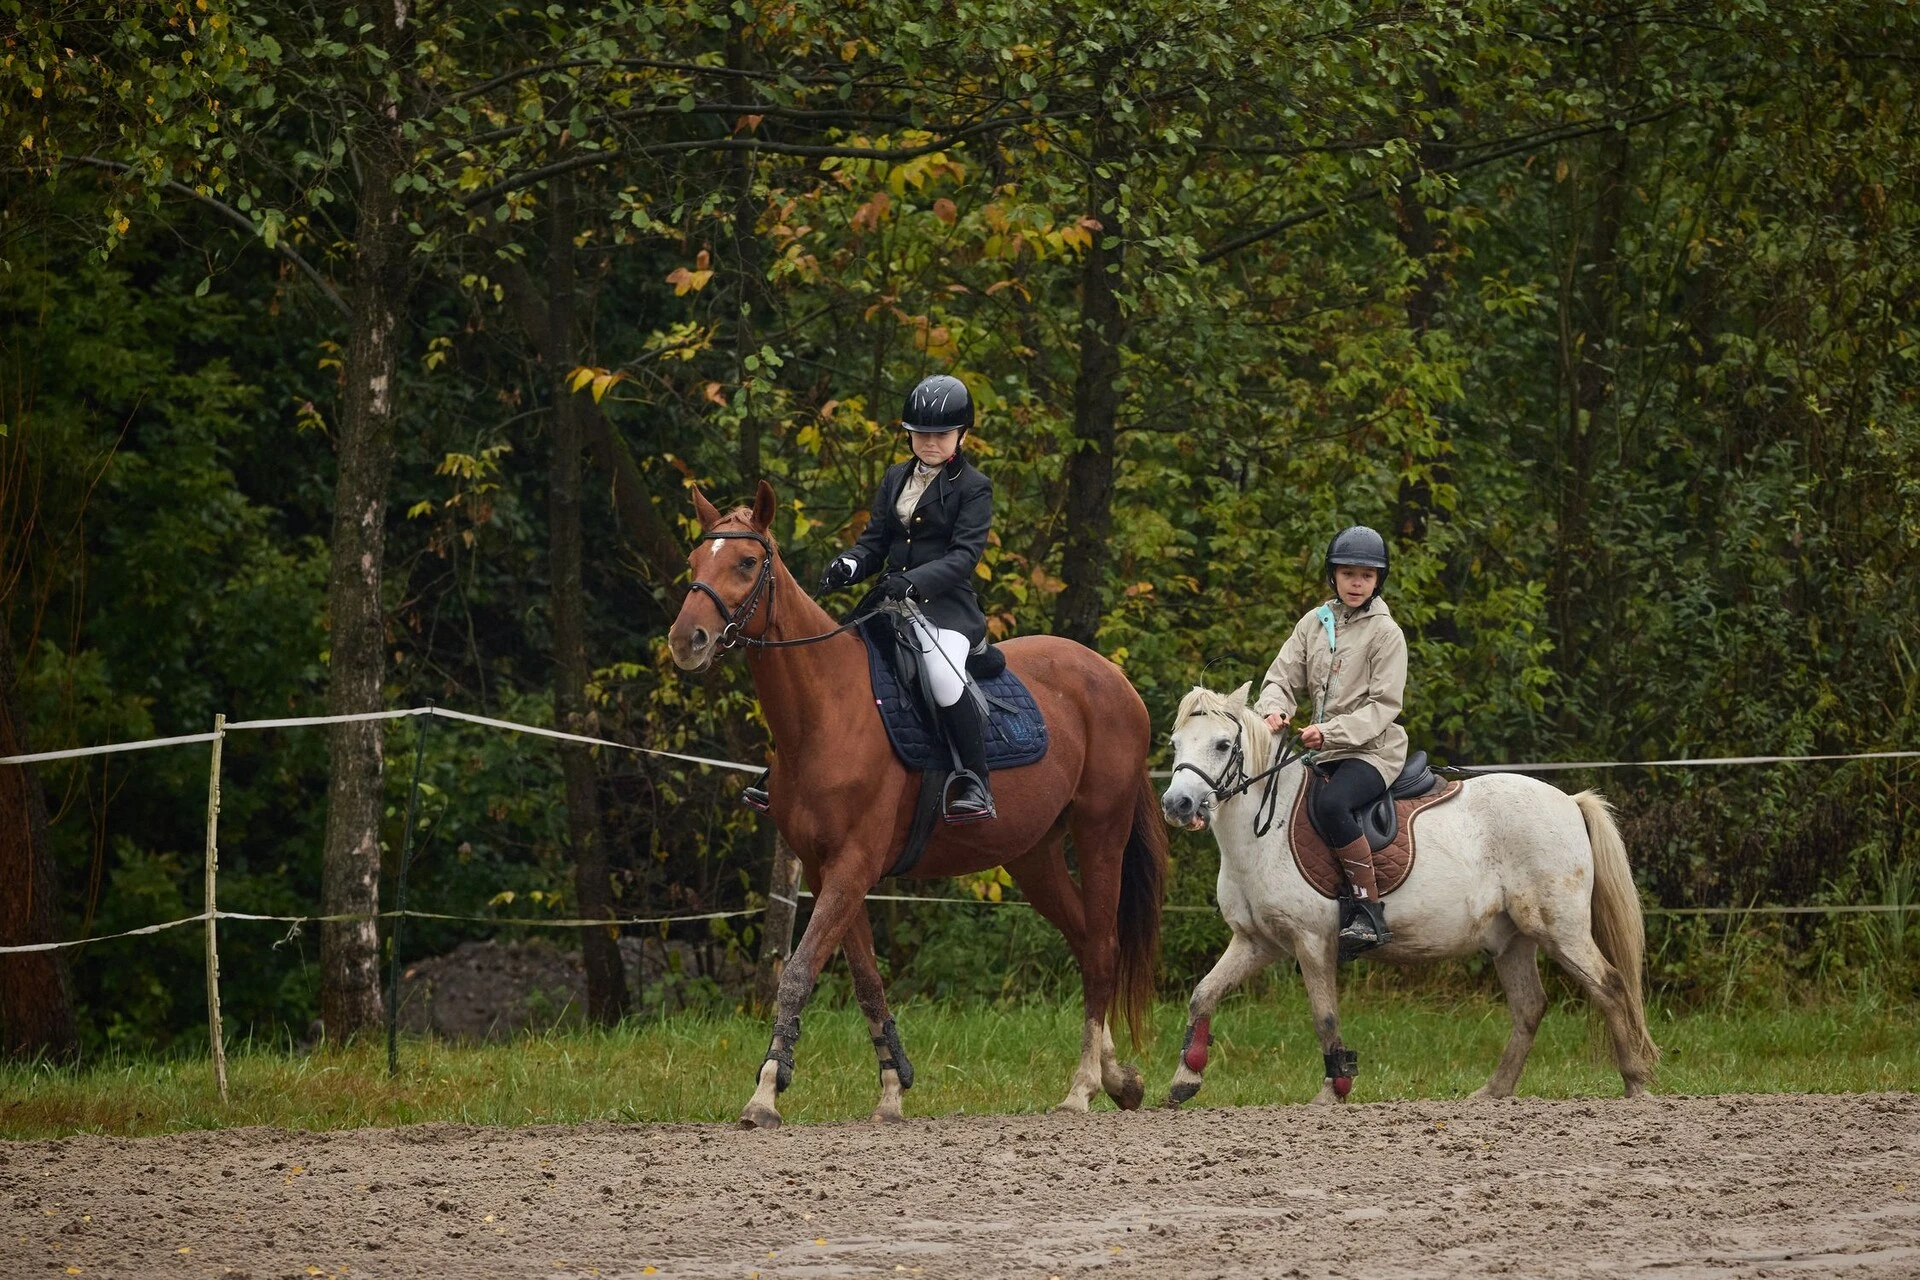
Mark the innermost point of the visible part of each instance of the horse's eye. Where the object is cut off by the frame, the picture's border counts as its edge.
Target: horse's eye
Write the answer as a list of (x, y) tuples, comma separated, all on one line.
[(749, 563), (1221, 744)]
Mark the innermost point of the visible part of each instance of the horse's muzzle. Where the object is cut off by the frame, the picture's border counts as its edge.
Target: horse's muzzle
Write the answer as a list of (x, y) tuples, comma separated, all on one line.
[(1182, 810), (692, 650)]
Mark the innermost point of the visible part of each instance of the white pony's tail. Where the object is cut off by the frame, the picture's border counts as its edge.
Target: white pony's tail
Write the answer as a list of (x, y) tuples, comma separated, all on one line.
[(1619, 930)]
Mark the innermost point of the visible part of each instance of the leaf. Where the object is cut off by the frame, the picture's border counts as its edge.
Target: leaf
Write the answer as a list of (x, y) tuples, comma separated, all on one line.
[(200, 290), (582, 376)]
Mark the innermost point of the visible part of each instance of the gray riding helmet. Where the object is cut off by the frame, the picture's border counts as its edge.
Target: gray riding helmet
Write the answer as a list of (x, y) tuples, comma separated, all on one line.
[(1363, 548)]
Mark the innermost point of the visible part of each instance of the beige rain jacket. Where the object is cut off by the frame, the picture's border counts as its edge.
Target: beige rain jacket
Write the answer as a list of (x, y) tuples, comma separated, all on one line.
[(1357, 685)]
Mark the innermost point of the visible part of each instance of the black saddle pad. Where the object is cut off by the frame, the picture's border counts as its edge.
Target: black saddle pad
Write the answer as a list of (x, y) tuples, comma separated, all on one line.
[(1016, 732)]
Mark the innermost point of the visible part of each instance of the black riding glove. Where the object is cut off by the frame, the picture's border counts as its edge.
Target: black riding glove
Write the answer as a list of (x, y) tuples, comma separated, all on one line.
[(840, 573), (896, 586)]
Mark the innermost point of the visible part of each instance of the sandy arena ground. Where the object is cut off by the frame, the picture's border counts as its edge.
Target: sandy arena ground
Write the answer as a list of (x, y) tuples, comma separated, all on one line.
[(1673, 1187)]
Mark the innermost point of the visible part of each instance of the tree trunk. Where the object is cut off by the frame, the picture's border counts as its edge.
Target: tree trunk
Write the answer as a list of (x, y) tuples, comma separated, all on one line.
[(1590, 356), (606, 977), (36, 995), (350, 996), (1421, 242), (1096, 402)]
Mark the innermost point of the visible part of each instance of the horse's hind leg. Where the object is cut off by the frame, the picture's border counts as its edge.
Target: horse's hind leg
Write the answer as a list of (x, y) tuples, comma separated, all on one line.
[(1042, 876), (1245, 956), (896, 1073), (833, 913), (1580, 956), (1519, 970)]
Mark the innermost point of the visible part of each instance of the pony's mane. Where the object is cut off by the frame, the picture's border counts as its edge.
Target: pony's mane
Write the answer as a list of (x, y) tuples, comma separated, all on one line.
[(1202, 701)]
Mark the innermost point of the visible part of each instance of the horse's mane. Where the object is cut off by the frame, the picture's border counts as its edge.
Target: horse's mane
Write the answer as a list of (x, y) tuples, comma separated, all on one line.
[(1202, 701)]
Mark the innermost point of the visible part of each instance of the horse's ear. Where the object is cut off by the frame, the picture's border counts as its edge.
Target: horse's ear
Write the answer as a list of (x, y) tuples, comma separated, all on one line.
[(704, 510), (1238, 698), (763, 503)]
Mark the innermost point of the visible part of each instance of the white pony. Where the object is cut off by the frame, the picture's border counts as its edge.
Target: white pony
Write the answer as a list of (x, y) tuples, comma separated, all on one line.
[(1509, 866)]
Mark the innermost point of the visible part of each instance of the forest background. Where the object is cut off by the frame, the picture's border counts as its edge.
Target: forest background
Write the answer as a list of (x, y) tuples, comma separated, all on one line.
[(360, 355)]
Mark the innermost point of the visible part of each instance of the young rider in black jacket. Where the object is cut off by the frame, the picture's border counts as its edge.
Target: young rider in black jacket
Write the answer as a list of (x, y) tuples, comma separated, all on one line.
[(925, 536)]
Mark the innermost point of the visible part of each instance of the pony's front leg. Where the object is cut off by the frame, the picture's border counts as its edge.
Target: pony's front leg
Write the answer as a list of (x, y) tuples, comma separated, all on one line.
[(1318, 957), (896, 1072), (1244, 957), (833, 911)]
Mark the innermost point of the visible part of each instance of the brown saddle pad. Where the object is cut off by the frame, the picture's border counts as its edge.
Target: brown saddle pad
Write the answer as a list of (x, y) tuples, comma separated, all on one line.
[(1391, 864)]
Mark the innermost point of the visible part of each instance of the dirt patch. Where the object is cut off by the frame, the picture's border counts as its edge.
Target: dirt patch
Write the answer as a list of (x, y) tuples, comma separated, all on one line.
[(1671, 1187)]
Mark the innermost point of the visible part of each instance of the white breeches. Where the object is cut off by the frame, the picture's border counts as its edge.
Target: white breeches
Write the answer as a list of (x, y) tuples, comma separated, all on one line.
[(946, 662)]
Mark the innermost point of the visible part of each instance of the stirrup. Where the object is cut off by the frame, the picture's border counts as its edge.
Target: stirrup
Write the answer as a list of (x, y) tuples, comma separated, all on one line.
[(1363, 927), (756, 797), (955, 816)]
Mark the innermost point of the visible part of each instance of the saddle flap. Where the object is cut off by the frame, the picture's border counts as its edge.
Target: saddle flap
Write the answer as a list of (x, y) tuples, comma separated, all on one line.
[(1380, 821)]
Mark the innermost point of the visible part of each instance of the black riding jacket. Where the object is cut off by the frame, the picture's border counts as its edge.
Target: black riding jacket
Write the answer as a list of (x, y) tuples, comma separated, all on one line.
[(939, 548)]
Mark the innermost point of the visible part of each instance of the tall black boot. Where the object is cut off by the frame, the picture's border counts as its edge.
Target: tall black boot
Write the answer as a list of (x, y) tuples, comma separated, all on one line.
[(967, 797)]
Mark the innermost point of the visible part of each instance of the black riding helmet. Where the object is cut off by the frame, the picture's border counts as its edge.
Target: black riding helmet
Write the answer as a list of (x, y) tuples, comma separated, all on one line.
[(1362, 548), (939, 403)]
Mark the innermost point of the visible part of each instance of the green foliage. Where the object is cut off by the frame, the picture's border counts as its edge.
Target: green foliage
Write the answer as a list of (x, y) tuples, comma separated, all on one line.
[(1605, 316)]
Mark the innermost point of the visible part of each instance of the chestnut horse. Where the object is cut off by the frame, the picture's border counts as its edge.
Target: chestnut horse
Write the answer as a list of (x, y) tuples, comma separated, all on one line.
[(844, 802)]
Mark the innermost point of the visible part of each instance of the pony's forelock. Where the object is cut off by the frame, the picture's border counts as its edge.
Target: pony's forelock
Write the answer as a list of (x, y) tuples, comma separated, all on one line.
[(1202, 701)]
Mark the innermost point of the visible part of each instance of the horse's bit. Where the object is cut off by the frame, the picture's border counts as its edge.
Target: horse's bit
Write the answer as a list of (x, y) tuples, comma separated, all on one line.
[(1234, 779)]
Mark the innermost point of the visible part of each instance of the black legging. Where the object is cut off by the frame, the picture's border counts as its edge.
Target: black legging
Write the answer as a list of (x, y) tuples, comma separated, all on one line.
[(1349, 785)]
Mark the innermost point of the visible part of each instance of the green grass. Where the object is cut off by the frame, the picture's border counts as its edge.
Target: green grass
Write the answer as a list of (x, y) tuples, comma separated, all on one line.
[(700, 1067)]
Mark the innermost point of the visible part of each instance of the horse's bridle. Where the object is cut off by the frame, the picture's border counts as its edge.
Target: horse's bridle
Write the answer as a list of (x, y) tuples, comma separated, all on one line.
[(1234, 779), (733, 622)]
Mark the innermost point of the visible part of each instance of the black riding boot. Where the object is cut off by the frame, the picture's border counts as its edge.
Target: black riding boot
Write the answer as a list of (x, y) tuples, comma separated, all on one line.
[(756, 796), (968, 799)]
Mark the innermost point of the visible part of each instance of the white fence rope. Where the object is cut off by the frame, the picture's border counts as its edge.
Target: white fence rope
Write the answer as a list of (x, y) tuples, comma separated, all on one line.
[(511, 726)]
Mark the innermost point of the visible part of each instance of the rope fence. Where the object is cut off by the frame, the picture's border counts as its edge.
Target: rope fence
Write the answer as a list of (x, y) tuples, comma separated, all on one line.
[(211, 914)]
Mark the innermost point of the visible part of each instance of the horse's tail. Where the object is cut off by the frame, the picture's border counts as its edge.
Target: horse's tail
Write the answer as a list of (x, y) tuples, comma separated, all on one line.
[(1143, 887), (1618, 927)]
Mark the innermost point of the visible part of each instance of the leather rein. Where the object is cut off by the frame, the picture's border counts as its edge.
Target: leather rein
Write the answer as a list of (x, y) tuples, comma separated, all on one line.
[(1235, 780), (734, 621)]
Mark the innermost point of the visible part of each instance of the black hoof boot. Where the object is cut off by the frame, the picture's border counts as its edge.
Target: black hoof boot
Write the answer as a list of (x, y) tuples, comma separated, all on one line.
[(1363, 926)]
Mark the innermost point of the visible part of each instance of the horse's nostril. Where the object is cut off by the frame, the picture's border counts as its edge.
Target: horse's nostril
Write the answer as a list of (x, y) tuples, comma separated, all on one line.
[(699, 637)]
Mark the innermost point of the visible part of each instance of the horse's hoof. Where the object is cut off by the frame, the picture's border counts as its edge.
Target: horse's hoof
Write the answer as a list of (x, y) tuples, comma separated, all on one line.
[(1180, 1094), (1133, 1088), (1069, 1109), (758, 1117), (887, 1117)]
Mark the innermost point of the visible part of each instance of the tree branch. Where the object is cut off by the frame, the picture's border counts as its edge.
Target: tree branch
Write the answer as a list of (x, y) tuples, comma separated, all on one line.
[(1371, 193), (236, 217)]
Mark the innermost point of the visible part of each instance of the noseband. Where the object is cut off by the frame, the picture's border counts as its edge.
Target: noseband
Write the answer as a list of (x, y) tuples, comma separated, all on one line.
[(1234, 779)]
